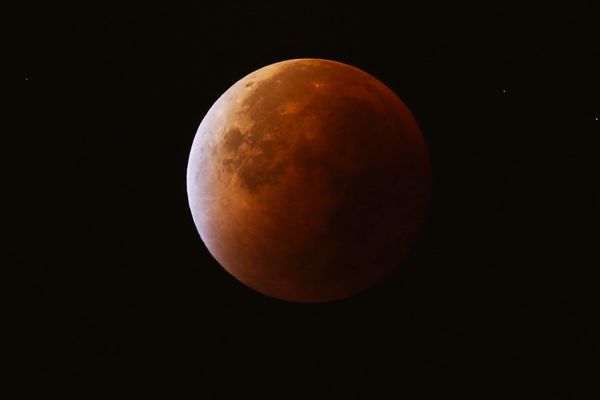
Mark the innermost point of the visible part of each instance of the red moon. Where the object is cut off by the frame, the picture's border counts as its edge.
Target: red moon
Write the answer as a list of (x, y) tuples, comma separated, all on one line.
[(308, 180)]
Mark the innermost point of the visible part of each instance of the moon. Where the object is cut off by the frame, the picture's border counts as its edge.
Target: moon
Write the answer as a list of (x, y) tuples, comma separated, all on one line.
[(308, 180)]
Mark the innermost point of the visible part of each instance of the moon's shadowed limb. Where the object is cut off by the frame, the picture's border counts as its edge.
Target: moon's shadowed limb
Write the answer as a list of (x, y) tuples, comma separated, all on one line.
[(308, 180)]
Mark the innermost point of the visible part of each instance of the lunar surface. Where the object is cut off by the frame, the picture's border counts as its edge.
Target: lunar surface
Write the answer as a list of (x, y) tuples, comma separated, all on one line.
[(308, 180)]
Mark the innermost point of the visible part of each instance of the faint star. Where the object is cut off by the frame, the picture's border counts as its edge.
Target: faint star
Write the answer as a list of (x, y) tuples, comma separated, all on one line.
[(504, 91)]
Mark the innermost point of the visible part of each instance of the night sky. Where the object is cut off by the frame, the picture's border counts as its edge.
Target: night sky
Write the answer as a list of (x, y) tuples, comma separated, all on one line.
[(117, 297)]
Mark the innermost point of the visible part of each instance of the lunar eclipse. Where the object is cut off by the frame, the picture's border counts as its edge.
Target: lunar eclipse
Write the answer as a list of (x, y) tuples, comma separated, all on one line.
[(308, 180)]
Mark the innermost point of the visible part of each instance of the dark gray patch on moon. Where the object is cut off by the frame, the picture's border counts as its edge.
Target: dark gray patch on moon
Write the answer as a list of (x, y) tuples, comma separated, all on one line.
[(233, 139)]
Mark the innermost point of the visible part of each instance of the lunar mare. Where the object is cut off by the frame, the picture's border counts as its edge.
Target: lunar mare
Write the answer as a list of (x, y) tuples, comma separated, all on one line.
[(308, 180)]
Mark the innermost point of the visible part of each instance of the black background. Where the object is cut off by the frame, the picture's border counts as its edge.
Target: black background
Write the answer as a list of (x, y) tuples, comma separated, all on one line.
[(117, 297)]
